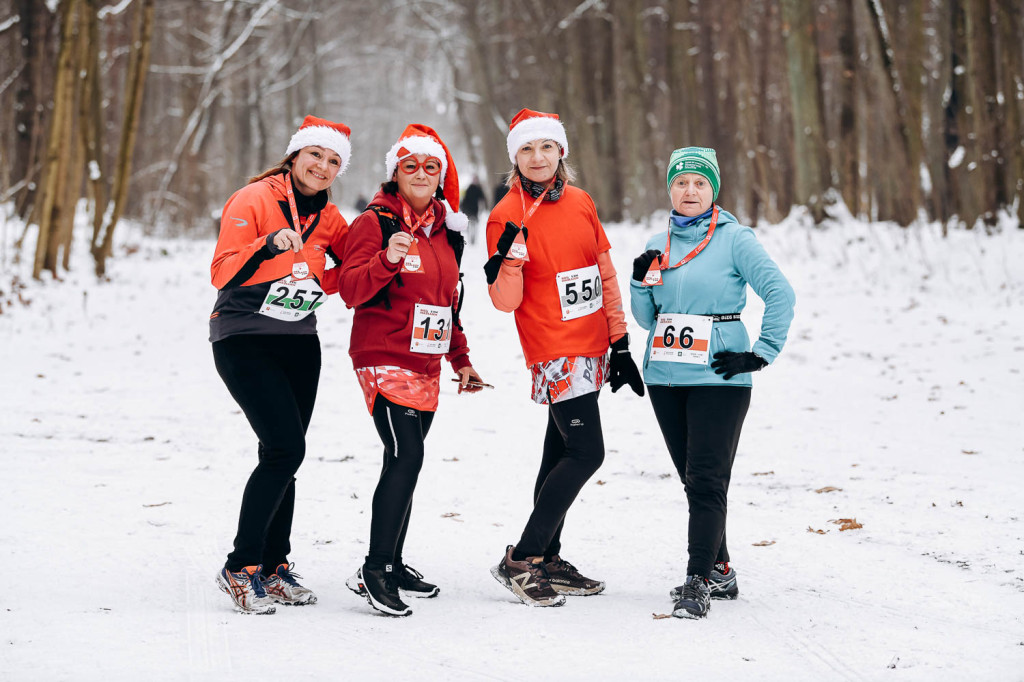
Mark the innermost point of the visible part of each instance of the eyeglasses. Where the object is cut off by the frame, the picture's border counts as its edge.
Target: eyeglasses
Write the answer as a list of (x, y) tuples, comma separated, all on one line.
[(431, 166)]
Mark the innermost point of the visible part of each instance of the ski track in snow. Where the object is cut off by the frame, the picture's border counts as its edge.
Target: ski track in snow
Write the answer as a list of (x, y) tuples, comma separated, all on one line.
[(900, 385)]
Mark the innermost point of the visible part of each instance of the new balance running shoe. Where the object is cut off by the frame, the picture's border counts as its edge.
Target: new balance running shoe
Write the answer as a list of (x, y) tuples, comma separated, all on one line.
[(528, 580), (695, 600), (410, 581), (721, 582), (379, 586), (566, 579), (245, 588), (284, 588)]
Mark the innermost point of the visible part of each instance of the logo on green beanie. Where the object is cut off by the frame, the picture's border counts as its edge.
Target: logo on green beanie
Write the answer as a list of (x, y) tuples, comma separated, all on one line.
[(700, 160)]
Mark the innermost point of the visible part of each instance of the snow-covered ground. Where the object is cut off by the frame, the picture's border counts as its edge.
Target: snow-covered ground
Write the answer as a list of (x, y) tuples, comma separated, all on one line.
[(124, 460)]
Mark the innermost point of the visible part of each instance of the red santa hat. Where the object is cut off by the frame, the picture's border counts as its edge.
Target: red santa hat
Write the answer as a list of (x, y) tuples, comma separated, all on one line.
[(320, 132), (420, 139), (529, 125)]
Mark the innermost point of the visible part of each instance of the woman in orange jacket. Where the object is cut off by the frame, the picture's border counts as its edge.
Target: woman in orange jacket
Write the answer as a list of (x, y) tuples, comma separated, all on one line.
[(400, 271), (550, 265), (269, 269)]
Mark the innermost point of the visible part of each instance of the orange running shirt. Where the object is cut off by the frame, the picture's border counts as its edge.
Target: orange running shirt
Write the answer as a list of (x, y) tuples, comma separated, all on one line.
[(563, 235)]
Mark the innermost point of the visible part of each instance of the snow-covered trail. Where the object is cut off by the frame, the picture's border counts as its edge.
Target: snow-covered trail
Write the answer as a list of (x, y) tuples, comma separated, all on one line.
[(901, 385)]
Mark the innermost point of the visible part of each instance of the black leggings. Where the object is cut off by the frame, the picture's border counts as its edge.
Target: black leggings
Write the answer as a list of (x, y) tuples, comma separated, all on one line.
[(701, 426), (402, 430), (573, 452), (273, 378)]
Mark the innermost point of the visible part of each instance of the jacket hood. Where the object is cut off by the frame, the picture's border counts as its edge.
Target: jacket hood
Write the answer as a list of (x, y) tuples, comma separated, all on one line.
[(392, 203)]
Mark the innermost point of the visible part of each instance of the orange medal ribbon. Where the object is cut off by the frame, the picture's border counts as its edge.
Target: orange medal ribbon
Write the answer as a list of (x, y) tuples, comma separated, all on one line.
[(300, 269)]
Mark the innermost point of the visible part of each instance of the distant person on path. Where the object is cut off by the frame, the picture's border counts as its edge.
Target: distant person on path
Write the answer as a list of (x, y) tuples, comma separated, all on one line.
[(400, 271), (500, 190), (268, 268), (689, 288), (472, 200), (550, 265)]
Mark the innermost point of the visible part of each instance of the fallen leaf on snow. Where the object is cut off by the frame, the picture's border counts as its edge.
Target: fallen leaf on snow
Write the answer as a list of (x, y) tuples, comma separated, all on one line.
[(969, 452), (158, 504), (451, 515), (453, 459), (819, 532), (659, 616), (763, 473), (828, 489), (764, 543), (599, 482), (847, 524)]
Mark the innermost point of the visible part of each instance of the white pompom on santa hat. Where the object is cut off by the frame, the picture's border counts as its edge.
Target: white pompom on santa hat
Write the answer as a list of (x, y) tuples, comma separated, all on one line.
[(420, 139), (529, 125), (319, 132)]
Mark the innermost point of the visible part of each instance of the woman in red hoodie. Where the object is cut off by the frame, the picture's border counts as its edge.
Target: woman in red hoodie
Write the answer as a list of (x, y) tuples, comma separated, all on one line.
[(268, 268), (400, 272)]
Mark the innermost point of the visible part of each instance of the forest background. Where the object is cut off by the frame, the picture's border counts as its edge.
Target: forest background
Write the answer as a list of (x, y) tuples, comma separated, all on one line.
[(900, 110)]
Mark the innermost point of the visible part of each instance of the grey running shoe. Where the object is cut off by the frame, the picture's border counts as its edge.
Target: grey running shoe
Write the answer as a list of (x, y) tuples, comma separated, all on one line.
[(528, 580), (721, 582), (695, 601), (567, 580), (245, 588), (283, 587)]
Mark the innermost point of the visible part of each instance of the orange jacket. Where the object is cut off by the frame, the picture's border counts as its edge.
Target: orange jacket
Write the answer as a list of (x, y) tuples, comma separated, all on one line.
[(246, 262)]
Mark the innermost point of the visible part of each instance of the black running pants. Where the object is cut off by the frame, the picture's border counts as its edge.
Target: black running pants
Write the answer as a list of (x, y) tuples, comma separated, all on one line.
[(274, 379), (701, 426), (573, 452), (402, 430)]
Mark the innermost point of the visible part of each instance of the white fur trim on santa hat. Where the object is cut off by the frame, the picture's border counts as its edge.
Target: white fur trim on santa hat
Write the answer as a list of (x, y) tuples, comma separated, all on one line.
[(457, 221), (536, 128), (322, 136), (415, 144)]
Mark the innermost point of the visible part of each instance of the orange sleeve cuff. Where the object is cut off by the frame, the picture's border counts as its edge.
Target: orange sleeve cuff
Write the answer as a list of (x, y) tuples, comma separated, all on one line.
[(612, 298)]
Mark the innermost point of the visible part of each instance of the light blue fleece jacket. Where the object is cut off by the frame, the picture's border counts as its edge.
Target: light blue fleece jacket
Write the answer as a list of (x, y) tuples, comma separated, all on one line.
[(714, 283)]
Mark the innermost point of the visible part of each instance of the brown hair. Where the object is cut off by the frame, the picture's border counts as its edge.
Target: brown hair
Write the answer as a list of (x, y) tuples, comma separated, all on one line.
[(283, 166)]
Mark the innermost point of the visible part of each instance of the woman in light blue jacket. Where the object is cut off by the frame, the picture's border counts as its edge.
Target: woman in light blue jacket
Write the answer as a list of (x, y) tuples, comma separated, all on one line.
[(688, 289)]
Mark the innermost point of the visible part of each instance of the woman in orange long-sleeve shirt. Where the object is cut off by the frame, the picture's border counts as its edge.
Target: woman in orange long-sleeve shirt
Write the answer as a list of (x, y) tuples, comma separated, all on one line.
[(550, 266), (275, 234)]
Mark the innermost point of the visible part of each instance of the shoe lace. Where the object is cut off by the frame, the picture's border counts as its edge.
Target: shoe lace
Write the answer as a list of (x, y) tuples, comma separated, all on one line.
[(564, 566), (288, 576), (690, 589), (411, 571), (539, 571), (256, 581)]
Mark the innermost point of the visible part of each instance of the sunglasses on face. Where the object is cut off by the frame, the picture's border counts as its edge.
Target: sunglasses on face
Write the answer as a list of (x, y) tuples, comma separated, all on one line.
[(430, 166)]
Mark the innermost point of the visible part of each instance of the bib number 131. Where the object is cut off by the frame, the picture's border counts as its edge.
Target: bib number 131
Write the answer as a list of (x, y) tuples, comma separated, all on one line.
[(431, 329), (579, 292)]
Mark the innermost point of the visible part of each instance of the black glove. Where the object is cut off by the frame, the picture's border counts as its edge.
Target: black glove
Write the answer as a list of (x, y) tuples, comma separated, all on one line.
[(623, 368), (642, 263), (493, 264), (730, 364), (509, 236)]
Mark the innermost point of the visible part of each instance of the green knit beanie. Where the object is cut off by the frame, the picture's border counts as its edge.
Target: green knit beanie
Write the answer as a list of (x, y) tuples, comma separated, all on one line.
[(700, 160)]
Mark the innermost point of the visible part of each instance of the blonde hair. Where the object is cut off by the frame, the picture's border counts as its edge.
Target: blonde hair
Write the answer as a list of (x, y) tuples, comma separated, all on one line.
[(565, 172)]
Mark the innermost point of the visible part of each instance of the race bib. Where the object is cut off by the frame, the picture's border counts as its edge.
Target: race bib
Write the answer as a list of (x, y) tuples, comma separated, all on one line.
[(579, 292), (682, 338), (431, 329), (291, 299)]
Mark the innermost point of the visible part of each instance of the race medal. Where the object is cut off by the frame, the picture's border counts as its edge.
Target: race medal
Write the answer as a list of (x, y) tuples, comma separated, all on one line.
[(431, 329), (412, 262), (518, 248), (300, 270), (291, 299), (579, 292), (653, 276), (682, 338)]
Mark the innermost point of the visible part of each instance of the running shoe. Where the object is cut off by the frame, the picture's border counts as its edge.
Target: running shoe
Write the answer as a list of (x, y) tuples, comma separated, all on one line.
[(695, 600), (245, 588), (567, 580), (528, 580), (284, 588)]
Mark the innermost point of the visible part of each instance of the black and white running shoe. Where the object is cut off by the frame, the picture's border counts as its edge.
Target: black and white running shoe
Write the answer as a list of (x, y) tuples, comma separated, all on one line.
[(379, 587), (695, 600), (721, 582)]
